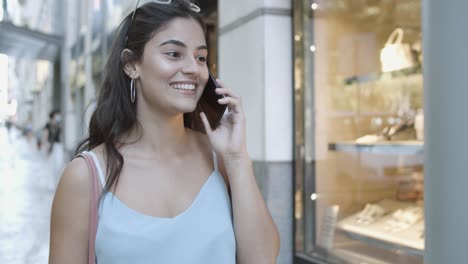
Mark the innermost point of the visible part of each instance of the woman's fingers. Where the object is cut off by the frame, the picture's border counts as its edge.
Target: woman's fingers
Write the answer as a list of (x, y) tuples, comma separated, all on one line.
[(206, 124), (233, 100), (233, 103), (226, 92), (220, 83)]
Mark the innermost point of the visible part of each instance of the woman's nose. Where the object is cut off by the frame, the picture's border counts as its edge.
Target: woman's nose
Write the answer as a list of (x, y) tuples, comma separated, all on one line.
[(191, 66)]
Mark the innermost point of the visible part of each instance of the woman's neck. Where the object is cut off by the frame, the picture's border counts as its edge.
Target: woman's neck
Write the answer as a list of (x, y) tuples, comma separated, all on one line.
[(158, 137)]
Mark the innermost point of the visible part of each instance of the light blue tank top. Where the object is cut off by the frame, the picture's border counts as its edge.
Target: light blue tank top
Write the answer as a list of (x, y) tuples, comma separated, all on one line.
[(202, 234)]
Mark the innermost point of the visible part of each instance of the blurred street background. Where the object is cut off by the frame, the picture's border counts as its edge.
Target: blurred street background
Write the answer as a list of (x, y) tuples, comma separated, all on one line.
[(356, 118), (26, 193)]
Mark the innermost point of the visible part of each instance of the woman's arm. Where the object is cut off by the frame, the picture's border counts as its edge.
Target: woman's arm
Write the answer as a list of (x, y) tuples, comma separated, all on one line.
[(257, 238), (70, 216)]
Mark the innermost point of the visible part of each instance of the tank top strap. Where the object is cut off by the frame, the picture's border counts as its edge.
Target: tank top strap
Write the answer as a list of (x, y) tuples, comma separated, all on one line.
[(215, 160), (102, 179)]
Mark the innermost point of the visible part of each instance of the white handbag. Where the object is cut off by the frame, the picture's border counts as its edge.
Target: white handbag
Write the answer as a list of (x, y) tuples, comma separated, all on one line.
[(396, 55)]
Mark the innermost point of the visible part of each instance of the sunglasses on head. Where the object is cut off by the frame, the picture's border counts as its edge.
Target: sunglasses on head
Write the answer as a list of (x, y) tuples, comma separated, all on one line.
[(192, 6)]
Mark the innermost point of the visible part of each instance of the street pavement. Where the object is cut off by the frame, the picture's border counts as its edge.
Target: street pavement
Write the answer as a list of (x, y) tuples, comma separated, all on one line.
[(26, 193)]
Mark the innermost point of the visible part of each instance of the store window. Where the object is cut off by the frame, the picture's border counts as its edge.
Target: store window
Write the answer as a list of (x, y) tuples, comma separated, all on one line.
[(359, 174)]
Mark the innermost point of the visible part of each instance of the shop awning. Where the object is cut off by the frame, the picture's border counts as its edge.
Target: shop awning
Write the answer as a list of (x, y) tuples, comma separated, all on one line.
[(21, 42)]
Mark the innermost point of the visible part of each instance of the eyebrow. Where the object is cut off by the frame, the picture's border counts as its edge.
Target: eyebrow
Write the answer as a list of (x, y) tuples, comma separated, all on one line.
[(181, 44)]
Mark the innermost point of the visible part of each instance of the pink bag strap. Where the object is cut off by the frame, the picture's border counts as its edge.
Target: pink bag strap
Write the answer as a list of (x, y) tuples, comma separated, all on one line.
[(93, 206)]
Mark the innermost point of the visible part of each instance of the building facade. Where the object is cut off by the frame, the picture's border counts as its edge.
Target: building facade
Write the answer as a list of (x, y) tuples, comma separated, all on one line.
[(355, 111), (378, 154)]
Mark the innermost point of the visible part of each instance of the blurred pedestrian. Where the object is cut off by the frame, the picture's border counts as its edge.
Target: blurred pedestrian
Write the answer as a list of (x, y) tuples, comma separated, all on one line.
[(186, 189), (39, 135), (54, 152), (52, 130), (9, 124), (28, 130)]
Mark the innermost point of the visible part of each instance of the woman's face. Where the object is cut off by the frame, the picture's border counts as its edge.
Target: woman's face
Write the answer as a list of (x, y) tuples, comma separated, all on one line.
[(173, 70)]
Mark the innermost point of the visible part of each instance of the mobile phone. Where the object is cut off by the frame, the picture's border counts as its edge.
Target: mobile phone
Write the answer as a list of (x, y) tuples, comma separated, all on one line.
[(209, 105)]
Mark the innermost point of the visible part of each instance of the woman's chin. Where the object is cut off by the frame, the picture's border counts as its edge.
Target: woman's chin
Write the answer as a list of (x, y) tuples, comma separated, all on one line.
[(187, 109), (184, 106)]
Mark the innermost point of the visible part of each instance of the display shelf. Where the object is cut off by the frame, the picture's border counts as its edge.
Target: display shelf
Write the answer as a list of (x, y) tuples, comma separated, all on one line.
[(362, 251), (381, 147), (372, 77), (381, 232), (382, 243)]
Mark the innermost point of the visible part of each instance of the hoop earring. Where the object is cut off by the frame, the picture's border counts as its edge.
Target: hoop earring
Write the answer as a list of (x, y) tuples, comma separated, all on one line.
[(132, 91)]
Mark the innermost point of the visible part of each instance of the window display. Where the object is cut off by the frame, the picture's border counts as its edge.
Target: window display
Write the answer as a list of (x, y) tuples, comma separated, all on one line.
[(359, 174)]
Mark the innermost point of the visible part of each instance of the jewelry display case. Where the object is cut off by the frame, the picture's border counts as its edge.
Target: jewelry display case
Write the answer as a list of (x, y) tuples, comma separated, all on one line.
[(359, 142)]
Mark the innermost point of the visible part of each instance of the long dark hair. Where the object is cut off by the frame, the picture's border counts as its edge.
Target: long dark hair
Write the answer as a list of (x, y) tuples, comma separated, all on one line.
[(115, 114)]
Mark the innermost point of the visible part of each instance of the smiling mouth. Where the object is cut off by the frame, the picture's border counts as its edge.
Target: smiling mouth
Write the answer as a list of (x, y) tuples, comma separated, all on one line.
[(185, 86)]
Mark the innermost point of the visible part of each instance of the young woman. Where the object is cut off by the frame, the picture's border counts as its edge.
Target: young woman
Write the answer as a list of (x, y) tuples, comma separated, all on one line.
[(170, 194)]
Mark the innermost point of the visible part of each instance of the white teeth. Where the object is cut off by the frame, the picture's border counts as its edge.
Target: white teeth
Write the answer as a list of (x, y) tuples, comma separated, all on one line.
[(183, 86)]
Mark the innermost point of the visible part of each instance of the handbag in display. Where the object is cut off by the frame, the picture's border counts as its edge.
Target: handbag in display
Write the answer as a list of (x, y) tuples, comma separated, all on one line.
[(93, 207), (396, 55)]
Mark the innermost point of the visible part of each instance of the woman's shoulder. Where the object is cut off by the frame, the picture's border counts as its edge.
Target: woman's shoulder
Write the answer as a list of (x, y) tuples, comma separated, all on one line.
[(76, 173), (75, 176)]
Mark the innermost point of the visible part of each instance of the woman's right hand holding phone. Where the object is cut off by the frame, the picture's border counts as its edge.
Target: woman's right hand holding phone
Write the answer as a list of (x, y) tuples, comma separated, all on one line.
[(228, 139)]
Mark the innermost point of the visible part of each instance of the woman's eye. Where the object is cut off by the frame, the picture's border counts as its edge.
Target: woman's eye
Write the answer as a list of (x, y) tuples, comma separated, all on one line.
[(202, 59), (173, 54)]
